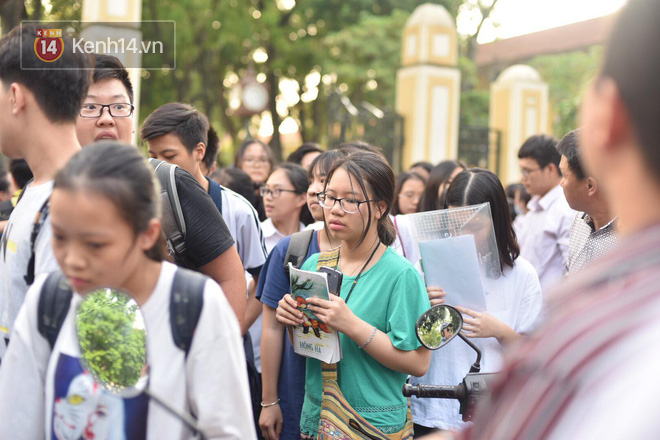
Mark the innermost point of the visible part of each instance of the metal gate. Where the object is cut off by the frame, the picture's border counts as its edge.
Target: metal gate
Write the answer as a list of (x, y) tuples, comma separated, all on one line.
[(480, 147)]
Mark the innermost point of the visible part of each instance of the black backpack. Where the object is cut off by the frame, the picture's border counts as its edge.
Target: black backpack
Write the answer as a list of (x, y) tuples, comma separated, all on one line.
[(297, 250), (186, 303)]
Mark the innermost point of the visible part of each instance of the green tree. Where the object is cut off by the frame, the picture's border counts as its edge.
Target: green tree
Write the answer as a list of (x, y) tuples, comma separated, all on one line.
[(111, 343)]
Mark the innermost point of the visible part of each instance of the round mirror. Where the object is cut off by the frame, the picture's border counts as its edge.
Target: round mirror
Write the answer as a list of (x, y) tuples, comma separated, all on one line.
[(438, 325), (112, 339)]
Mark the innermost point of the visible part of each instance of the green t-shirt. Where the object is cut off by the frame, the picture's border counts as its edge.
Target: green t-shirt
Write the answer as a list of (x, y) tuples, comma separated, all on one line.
[(390, 296)]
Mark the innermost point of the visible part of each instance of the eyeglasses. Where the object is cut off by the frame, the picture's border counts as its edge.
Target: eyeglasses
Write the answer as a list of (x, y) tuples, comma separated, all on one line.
[(410, 196), (255, 161), (274, 193), (526, 171), (349, 206), (117, 110)]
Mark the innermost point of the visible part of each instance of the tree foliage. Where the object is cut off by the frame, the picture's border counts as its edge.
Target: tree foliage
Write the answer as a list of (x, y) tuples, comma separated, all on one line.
[(111, 343)]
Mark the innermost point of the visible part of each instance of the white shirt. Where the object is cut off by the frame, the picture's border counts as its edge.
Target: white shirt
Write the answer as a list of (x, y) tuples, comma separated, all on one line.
[(243, 223), (15, 254), (211, 382), (514, 298), (271, 235), (544, 238)]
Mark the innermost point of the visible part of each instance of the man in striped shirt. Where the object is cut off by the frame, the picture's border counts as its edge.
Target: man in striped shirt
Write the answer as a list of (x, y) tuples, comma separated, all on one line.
[(592, 369)]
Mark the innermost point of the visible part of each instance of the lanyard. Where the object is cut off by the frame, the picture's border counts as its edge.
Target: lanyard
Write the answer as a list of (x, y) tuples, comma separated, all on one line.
[(360, 273)]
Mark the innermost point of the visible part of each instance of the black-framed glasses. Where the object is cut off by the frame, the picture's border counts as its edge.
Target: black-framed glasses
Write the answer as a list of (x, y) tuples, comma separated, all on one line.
[(274, 193), (526, 171), (349, 206), (117, 110)]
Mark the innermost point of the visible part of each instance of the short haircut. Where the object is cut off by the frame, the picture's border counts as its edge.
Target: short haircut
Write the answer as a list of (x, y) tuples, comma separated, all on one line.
[(20, 171), (306, 148), (238, 181), (211, 153), (637, 73), (109, 67), (568, 146), (190, 126), (59, 93), (542, 148)]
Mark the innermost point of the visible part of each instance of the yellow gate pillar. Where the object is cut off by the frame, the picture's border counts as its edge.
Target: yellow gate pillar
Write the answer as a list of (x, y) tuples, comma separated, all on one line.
[(519, 109), (117, 19), (428, 86)]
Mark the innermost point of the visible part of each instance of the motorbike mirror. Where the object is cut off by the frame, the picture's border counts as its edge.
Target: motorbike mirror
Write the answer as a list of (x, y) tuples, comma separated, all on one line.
[(438, 325), (112, 338)]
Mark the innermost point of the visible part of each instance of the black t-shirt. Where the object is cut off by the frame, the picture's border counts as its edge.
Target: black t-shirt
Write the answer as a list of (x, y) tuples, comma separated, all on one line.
[(207, 235)]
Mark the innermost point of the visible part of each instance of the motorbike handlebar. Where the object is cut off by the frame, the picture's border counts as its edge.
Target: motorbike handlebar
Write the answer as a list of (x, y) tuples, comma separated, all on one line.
[(435, 391)]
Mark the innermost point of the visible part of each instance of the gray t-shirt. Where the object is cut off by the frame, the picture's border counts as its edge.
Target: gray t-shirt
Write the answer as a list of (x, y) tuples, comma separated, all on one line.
[(15, 254)]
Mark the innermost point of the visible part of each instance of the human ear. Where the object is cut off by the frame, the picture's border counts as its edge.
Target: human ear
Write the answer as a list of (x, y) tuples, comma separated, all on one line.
[(617, 126), (382, 206), (592, 186), (17, 97), (148, 238), (199, 151)]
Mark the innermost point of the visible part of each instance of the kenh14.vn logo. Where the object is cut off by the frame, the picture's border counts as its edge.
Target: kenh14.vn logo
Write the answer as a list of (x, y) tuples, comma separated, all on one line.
[(48, 44)]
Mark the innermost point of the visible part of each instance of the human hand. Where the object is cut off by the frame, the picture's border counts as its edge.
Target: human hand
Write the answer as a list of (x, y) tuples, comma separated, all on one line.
[(481, 324), (287, 312), (436, 295), (270, 422), (334, 313)]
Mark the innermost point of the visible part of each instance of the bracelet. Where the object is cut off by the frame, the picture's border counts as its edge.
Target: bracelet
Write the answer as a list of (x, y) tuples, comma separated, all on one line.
[(373, 333), (266, 405)]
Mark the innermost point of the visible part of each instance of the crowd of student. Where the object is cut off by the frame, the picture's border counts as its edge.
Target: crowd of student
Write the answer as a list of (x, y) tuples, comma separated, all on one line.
[(80, 200)]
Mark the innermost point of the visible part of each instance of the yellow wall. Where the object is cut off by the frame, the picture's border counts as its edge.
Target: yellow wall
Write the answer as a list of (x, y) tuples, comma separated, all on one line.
[(405, 92)]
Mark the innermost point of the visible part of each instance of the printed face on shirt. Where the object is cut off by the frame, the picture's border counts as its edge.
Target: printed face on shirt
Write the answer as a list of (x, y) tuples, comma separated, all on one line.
[(575, 190), (89, 130), (170, 149), (255, 163), (288, 203), (93, 244), (345, 226)]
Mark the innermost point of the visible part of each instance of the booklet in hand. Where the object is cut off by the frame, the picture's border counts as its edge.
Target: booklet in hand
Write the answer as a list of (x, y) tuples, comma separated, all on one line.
[(313, 338)]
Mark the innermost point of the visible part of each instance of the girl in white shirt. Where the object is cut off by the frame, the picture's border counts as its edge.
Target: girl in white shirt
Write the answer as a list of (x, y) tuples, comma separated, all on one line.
[(513, 305), (104, 213)]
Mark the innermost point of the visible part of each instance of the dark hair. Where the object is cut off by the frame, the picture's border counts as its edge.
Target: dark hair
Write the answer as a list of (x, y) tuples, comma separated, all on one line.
[(119, 173), (190, 126), (60, 90), (299, 178), (241, 152), (361, 146), (428, 166), (20, 171), (304, 149), (371, 171), (568, 146), (543, 149), (4, 181), (476, 186), (211, 153), (637, 74), (510, 192), (440, 174), (109, 67), (323, 162), (236, 180), (401, 179)]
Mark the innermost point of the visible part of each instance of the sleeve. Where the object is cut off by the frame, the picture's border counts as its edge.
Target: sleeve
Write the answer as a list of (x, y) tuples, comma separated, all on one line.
[(531, 306), (250, 238), (407, 302), (23, 374), (207, 235), (564, 235), (273, 282), (216, 367)]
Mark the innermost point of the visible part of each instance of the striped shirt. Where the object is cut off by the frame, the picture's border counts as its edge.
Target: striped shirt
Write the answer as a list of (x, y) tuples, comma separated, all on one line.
[(591, 370)]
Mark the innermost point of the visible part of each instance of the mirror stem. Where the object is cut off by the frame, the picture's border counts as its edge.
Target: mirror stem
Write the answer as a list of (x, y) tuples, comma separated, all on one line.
[(186, 418), (476, 367)]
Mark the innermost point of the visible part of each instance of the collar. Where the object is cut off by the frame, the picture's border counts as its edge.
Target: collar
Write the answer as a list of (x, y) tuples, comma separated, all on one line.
[(590, 222), (543, 203), (269, 229)]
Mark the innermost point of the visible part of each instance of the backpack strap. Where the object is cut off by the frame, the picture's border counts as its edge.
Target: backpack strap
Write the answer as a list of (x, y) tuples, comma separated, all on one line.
[(297, 250), (54, 303), (186, 303), (174, 224), (39, 221), (20, 195)]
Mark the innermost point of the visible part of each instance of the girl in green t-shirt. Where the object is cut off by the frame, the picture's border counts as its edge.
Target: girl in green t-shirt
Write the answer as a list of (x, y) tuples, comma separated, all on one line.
[(381, 298)]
